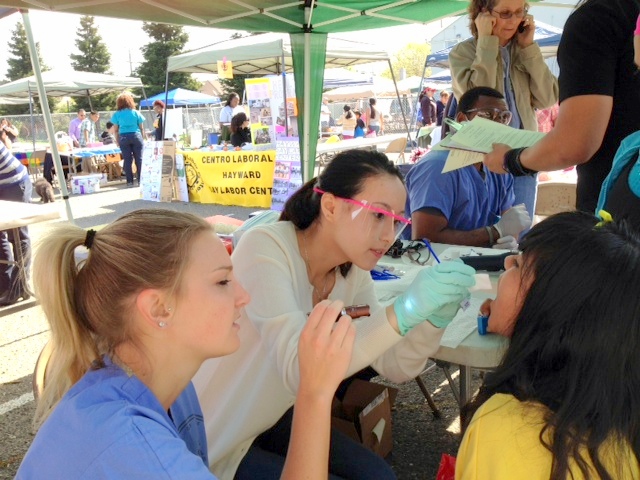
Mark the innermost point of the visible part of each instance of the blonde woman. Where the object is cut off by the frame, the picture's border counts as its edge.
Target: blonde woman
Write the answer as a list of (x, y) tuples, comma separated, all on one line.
[(130, 326)]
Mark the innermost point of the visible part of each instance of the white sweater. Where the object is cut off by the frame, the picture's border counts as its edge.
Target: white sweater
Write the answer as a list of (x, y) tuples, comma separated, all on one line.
[(245, 393)]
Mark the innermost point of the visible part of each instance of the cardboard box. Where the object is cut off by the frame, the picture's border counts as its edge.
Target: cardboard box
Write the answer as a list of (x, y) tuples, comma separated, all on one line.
[(81, 184), (365, 415)]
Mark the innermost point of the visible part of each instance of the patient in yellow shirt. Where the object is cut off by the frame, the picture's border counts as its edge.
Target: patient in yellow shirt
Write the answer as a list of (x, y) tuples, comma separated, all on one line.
[(565, 401)]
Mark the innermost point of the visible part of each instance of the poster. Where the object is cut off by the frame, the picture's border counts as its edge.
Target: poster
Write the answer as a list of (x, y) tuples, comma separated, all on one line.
[(157, 171), (243, 178), (180, 180), (287, 173), (266, 100)]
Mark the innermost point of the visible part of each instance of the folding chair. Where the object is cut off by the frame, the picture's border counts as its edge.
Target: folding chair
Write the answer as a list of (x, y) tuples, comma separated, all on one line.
[(397, 146)]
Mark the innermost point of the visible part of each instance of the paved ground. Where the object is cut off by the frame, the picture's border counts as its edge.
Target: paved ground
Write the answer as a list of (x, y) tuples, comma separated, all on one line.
[(419, 439)]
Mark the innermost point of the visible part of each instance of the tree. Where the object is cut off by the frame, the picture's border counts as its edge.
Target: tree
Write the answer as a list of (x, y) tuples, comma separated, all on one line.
[(20, 62), (94, 55), (411, 58), (167, 40), (20, 66)]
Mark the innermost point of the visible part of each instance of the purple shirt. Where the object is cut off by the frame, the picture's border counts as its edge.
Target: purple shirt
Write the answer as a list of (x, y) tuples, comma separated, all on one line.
[(74, 129)]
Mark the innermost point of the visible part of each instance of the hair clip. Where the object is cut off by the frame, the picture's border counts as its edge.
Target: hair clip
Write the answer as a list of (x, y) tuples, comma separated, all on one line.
[(605, 217)]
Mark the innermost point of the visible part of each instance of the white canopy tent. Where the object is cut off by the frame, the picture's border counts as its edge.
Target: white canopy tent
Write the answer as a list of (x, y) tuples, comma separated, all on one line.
[(69, 83), (381, 87), (272, 53)]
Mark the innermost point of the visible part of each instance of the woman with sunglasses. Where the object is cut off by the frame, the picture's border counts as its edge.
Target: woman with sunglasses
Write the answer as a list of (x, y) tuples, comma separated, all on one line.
[(503, 55), (563, 404), (332, 232)]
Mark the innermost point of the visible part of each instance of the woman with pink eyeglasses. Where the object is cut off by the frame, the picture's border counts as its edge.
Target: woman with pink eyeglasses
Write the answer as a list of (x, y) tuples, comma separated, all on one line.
[(332, 232)]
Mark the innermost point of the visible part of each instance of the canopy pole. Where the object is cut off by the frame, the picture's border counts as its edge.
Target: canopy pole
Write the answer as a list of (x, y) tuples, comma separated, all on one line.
[(284, 96), (404, 117), (89, 98), (33, 122), (307, 111), (35, 63), (424, 72), (166, 101)]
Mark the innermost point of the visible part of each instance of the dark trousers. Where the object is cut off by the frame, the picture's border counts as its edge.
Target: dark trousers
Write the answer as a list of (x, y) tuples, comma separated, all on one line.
[(49, 169), (10, 281), (131, 145), (348, 460)]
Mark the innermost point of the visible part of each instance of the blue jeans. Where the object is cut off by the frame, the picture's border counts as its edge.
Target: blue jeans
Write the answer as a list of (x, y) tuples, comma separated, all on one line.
[(374, 128), (348, 459), (525, 189), (131, 146), (10, 281)]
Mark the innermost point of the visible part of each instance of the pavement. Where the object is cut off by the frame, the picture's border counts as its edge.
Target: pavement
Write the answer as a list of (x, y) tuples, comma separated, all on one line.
[(419, 438)]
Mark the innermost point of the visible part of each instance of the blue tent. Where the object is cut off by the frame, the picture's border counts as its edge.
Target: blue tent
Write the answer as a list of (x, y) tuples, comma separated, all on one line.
[(547, 37), (181, 97)]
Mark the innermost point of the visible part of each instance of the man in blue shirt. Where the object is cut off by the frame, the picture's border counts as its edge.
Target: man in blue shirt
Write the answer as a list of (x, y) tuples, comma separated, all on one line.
[(471, 205)]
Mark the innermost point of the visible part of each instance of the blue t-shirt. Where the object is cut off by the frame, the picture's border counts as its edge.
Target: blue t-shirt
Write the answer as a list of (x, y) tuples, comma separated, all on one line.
[(111, 426), (463, 196), (128, 120)]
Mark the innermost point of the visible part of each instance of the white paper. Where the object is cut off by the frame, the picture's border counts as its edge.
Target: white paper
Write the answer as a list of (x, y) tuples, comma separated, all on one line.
[(463, 324)]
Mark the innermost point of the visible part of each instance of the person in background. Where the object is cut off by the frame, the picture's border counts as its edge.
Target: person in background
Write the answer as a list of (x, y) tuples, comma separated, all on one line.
[(331, 233), (374, 120), (325, 114), (470, 205), (129, 132), (88, 129), (620, 193), (596, 110), (547, 117), (230, 109), (240, 132), (348, 122), (502, 54), (107, 137), (428, 107), (360, 126), (158, 108), (11, 133), (563, 403), (74, 128), (15, 186), (440, 106), (118, 400)]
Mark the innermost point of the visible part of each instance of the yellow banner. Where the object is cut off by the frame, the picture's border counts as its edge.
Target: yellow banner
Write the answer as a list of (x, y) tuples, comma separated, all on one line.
[(243, 178), (225, 69)]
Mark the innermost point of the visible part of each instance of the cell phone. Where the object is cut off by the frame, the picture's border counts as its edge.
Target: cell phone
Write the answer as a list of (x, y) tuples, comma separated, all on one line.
[(521, 27)]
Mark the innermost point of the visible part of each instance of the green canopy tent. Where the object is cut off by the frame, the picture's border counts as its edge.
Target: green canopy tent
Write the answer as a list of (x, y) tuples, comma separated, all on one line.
[(307, 21)]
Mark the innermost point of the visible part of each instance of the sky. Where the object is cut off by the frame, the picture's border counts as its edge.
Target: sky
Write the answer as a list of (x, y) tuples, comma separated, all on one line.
[(56, 33)]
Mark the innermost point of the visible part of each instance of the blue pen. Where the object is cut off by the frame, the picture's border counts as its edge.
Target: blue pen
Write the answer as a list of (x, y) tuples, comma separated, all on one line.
[(426, 242)]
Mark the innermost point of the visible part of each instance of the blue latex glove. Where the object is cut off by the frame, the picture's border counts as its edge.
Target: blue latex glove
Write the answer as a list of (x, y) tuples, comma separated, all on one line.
[(435, 295)]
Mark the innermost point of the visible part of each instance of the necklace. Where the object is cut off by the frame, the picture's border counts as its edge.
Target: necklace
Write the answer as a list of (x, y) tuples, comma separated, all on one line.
[(320, 295)]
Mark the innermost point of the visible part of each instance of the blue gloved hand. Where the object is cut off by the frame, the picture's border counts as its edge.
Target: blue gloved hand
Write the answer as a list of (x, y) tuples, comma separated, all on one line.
[(435, 295)]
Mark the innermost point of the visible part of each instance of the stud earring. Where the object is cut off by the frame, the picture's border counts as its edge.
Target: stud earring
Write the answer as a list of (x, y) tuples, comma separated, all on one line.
[(169, 309), (162, 324)]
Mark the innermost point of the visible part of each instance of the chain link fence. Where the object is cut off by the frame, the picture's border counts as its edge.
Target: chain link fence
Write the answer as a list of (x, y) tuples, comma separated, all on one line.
[(31, 128)]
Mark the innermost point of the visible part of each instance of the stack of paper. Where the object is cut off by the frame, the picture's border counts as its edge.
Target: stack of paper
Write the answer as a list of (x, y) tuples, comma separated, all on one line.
[(475, 138)]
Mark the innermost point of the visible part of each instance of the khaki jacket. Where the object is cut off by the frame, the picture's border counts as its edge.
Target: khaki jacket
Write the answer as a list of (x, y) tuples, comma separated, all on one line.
[(477, 63)]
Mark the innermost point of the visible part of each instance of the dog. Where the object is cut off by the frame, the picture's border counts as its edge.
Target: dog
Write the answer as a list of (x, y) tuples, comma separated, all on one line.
[(45, 190)]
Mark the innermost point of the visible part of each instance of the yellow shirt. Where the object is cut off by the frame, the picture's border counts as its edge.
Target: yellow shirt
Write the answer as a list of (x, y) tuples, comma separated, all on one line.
[(502, 443)]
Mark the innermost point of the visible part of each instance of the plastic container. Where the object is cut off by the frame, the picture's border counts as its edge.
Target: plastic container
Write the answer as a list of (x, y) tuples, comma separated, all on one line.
[(213, 138)]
